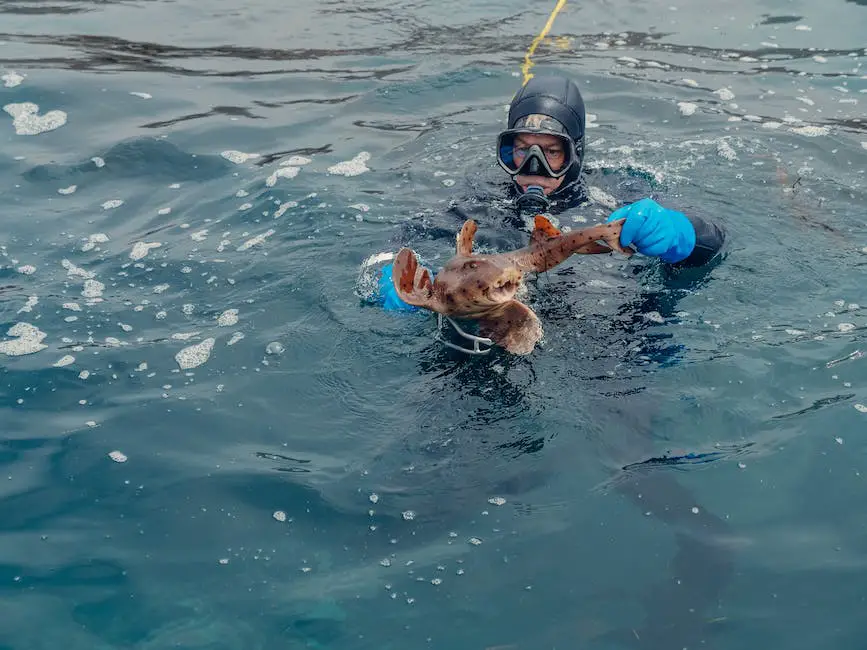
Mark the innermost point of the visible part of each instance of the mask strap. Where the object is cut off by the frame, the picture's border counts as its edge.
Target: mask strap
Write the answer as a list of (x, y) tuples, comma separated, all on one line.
[(470, 337)]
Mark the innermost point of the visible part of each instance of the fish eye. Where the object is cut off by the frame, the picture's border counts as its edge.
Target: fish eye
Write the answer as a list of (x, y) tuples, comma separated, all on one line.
[(471, 265)]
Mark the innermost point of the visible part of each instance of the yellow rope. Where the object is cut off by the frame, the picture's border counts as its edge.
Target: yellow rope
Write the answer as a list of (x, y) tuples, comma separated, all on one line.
[(525, 69)]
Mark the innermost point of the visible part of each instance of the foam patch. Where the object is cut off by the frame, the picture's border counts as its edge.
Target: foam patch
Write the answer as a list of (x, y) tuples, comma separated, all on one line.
[(352, 167), (27, 121), (27, 340)]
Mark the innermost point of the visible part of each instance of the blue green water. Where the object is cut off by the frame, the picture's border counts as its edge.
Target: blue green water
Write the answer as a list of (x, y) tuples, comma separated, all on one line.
[(430, 500)]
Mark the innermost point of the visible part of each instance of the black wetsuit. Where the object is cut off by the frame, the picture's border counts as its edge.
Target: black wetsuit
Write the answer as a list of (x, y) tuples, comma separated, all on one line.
[(614, 297), (502, 227)]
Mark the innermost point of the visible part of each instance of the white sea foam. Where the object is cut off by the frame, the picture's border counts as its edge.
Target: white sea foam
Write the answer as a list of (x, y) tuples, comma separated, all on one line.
[(687, 108), (195, 355), (140, 249), (282, 172), (255, 241), (283, 207), (74, 271), (12, 79), (93, 240), (32, 301), (238, 157), (353, 167), (27, 121), (810, 131), (93, 289), (27, 339), (185, 336), (228, 318)]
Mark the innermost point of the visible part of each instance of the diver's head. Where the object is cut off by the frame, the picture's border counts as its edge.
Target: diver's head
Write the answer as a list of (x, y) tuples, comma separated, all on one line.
[(542, 148)]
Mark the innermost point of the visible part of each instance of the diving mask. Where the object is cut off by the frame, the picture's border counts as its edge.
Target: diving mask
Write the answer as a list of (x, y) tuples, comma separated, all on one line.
[(537, 145)]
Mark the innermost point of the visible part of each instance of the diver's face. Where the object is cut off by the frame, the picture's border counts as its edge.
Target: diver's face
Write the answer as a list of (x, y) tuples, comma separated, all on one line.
[(552, 148)]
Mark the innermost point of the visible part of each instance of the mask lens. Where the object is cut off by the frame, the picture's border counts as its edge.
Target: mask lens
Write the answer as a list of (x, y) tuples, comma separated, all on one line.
[(534, 153)]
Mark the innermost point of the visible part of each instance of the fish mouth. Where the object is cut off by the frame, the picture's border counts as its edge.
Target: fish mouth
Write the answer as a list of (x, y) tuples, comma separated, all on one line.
[(502, 290)]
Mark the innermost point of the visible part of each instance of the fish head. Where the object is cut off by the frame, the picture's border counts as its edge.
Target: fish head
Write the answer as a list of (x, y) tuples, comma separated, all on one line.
[(473, 284)]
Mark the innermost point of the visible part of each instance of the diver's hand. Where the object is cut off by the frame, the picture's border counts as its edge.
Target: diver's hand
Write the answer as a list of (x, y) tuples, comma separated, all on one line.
[(655, 231), (388, 297)]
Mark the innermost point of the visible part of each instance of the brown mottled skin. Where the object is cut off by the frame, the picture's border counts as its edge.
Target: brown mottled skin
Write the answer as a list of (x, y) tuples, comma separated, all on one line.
[(483, 287)]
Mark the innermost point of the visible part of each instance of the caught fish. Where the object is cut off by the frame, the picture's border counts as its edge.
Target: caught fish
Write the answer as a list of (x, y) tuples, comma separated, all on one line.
[(483, 287)]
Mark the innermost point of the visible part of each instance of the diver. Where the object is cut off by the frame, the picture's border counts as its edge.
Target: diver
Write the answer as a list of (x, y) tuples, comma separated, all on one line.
[(542, 151)]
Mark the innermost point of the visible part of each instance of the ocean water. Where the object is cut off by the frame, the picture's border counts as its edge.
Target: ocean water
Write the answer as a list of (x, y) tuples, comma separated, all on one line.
[(210, 440)]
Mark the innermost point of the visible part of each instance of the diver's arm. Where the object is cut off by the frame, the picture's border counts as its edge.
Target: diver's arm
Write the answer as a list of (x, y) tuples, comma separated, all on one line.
[(672, 236), (661, 227), (709, 241)]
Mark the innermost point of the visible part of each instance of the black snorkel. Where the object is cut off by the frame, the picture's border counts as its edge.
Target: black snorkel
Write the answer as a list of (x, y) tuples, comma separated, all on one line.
[(533, 199)]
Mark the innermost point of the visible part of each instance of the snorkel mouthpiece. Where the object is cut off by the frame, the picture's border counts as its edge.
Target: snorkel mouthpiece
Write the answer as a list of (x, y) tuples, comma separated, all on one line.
[(533, 200)]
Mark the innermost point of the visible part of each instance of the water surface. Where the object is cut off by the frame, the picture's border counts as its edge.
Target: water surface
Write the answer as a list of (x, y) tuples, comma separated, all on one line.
[(692, 479)]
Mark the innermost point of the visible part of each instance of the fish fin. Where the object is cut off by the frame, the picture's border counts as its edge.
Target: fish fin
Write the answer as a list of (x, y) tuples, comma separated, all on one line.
[(543, 229), (411, 280), (465, 238), (611, 236), (514, 326)]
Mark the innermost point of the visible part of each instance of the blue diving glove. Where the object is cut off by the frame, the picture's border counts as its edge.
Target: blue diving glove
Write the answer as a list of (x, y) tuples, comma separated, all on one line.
[(388, 295), (656, 231)]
